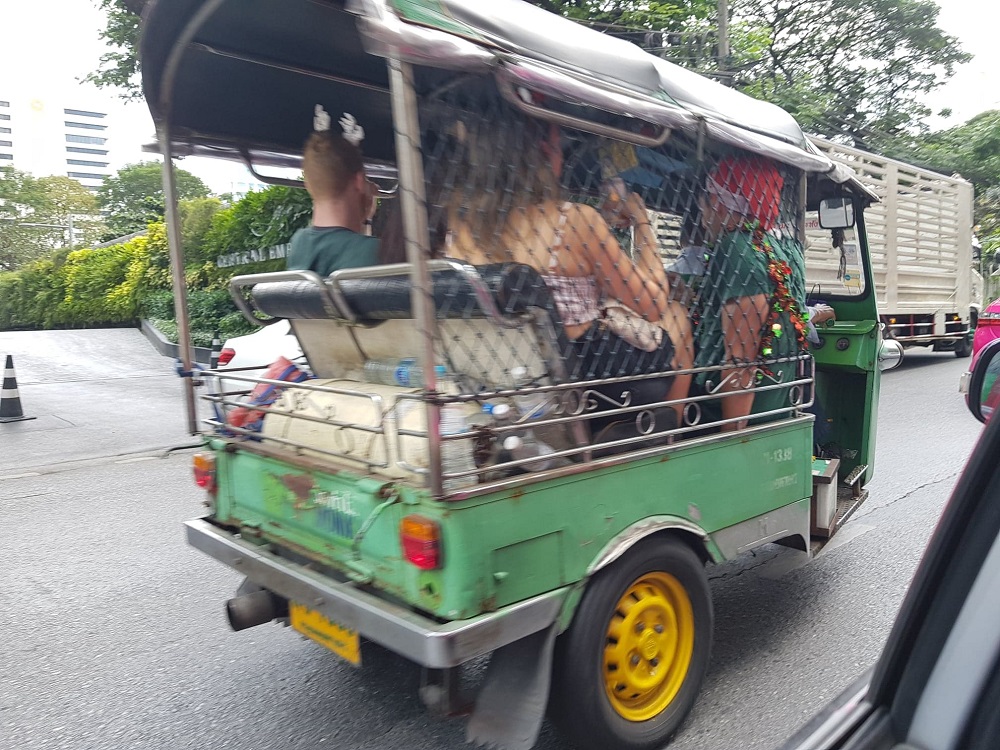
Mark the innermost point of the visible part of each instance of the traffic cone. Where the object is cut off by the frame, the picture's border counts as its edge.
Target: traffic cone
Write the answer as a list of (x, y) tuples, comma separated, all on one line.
[(10, 401)]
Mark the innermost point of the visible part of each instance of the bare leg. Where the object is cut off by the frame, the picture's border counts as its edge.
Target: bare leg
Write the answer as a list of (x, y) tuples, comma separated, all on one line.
[(737, 397)]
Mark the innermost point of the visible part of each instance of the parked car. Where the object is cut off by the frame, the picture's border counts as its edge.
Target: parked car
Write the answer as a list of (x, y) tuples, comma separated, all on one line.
[(937, 683)]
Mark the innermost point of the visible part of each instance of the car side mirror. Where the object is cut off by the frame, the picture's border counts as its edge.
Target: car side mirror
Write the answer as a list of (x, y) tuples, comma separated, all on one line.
[(984, 385), (836, 213)]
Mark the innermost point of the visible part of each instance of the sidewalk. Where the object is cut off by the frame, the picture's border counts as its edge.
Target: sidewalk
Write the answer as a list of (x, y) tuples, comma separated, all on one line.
[(94, 393)]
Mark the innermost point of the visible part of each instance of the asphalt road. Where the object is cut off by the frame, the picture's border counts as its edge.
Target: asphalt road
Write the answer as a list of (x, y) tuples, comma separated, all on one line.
[(113, 629)]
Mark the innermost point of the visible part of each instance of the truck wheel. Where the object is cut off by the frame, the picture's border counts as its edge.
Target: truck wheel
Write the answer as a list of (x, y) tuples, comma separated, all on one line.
[(963, 348), (629, 668)]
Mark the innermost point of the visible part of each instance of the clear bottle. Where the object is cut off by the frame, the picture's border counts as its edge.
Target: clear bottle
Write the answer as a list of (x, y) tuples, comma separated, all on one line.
[(528, 446), (456, 455), (530, 404), (403, 372)]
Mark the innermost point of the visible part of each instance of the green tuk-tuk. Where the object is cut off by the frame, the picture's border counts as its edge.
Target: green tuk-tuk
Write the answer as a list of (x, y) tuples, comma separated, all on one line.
[(455, 470)]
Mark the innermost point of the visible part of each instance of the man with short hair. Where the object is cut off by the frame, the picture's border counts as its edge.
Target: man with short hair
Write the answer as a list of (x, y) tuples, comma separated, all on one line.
[(343, 200)]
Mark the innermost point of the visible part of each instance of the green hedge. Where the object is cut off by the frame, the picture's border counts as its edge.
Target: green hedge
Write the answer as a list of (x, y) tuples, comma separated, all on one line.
[(119, 284)]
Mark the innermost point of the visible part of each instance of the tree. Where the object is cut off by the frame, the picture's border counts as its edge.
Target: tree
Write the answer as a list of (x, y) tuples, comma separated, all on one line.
[(196, 221), (57, 201), (119, 68), (134, 196), (679, 31), (69, 202), (849, 68)]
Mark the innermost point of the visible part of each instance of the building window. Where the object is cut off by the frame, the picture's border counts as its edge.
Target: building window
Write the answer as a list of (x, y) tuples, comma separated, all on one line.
[(6, 156), (95, 151), (4, 117), (85, 139), (85, 125), (6, 143), (4, 130), (83, 113), (4, 104), (82, 163), (86, 175)]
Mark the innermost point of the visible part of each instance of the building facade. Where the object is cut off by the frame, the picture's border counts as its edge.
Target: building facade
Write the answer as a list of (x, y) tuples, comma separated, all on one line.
[(46, 137), (6, 139)]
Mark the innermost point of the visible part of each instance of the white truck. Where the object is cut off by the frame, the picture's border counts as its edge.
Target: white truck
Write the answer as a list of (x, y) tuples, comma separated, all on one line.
[(921, 241)]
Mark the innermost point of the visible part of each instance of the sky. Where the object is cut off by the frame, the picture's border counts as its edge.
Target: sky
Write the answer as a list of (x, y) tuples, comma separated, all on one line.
[(46, 46)]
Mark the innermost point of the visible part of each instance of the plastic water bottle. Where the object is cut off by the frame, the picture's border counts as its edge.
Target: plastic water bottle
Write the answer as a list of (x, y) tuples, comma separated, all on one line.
[(532, 405), (403, 372), (498, 410), (456, 455), (528, 446)]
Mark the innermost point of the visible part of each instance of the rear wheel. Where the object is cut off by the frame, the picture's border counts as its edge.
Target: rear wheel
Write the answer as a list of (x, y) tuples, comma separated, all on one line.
[(629, 668), (963, 348)]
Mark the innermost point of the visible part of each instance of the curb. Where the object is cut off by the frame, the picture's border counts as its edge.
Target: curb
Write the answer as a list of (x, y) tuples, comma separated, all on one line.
[(202, 355)]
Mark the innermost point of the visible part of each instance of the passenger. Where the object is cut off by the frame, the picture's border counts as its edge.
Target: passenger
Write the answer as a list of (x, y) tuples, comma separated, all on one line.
[(512, 212), (752, 299), (392, 247), (343, 200)]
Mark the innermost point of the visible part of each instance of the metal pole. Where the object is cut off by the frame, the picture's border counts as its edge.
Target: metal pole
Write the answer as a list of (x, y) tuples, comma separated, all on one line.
[(724, 40), (168, 80), (177, 273), (414, 208)]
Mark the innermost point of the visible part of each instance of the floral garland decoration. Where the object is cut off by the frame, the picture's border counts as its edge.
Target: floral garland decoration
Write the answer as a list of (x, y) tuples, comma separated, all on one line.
[(782, 300)]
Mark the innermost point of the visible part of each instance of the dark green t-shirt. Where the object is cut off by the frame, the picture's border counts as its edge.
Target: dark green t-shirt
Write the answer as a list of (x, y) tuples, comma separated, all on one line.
[(328, 249), (737, 269)]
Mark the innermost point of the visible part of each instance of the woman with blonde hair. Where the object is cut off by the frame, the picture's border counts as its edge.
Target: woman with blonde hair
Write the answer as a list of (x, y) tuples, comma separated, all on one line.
[(506, 208)]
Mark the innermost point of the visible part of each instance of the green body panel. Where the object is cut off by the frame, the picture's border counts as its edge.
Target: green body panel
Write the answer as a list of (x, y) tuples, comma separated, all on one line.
[(508, 546), (847, 387)]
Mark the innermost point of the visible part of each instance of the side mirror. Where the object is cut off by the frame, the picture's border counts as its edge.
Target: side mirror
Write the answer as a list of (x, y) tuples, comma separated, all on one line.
[(836, 213), (890, 355), (984, 385)]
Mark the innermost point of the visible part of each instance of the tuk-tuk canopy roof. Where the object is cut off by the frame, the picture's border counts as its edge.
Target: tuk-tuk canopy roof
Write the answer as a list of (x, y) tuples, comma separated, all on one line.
[(245, 75)]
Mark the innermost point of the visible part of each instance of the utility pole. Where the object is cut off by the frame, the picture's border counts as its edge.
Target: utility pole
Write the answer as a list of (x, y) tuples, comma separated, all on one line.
[(724, 42)]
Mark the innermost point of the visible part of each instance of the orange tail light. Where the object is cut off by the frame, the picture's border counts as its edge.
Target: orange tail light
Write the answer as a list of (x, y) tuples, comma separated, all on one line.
[(204, 471), (421, 541)]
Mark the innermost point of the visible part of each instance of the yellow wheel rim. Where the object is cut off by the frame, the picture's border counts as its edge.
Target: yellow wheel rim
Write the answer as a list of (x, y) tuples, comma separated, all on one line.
[(648, 647)]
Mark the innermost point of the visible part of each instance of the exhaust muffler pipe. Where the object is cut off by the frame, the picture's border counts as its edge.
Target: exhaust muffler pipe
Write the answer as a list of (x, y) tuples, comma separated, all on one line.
[(255, 608)]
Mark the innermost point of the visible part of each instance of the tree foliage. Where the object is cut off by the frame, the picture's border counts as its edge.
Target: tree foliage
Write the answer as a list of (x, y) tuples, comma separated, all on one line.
[(853, 69), (58, 201), (119, 66), (133, 197)]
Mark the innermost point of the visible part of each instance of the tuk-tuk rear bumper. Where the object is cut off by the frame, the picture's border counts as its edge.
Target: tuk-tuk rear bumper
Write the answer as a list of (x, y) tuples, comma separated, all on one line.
[(421, 639)]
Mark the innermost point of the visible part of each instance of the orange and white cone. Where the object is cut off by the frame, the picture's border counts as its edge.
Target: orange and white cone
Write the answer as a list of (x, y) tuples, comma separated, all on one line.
[(10, 401)]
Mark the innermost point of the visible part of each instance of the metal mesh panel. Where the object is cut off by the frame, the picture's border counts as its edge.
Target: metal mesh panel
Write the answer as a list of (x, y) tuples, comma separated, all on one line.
[(591, 296)]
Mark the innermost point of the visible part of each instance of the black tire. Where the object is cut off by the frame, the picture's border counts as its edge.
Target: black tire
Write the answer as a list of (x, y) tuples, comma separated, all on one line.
[(963, 348), (581, 705)]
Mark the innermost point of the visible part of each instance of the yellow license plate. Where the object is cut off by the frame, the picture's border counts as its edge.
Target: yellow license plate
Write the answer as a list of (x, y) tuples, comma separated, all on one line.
[(343, 642)]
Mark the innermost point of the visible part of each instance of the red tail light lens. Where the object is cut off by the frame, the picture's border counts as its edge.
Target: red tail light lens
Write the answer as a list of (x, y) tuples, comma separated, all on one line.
[(421, 541), (989, 319), (204, 471), (226, 356)]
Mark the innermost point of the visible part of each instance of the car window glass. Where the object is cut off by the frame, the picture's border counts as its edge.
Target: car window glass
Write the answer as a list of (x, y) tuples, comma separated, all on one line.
[(984, 725), (964, 539), (963, 665)]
